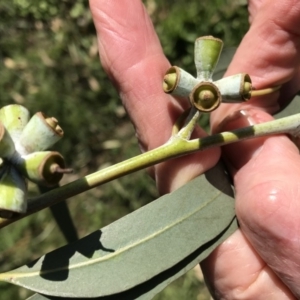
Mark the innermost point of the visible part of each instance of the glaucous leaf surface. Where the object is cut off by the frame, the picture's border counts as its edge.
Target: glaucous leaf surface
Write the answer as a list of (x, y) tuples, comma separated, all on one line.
[(142, 251)]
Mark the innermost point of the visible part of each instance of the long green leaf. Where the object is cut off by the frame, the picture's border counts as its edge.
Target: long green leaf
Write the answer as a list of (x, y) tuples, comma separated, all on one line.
[(152, 287), (138, 247)]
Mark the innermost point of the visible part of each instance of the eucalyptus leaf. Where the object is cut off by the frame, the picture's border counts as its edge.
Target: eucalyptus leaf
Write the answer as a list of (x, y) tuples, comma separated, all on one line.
[(149, 289), (143, 251)]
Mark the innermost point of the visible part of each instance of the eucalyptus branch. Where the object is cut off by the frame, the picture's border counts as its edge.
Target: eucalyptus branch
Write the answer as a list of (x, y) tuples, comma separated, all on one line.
[(180, 121), (23, 141), (190, 123), (175, 147)]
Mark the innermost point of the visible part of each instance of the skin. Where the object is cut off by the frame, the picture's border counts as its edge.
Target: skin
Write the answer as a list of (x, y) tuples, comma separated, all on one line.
[(261, 260)]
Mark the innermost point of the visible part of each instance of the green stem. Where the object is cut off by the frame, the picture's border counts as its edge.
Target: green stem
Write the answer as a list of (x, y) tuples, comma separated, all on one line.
[(171, 149), (190, 123), (175, 147)]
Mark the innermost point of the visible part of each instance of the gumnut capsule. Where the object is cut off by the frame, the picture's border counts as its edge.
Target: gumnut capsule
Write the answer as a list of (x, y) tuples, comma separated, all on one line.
[(207, 53), (235, 88), (45, 167), (205, 97), (40, 133), (12, 191), (14, 117), (178, 82)]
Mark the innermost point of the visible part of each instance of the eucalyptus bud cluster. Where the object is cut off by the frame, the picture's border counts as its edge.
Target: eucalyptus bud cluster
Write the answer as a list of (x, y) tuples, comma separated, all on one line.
[(23, 141), (204, 93)]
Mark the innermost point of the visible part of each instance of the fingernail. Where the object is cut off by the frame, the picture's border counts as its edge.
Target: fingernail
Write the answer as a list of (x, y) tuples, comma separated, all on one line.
[(238, 154)]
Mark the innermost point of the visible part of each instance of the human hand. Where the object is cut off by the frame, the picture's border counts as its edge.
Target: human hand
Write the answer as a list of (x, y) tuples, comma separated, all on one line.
[(266, 200), (253, 263), (131, 54)]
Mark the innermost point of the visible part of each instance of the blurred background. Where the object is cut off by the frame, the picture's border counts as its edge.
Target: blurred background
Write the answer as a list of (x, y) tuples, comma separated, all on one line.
[(49, 62)]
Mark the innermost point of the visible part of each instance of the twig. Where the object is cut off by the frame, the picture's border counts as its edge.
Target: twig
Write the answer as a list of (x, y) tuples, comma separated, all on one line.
[(175, 147)]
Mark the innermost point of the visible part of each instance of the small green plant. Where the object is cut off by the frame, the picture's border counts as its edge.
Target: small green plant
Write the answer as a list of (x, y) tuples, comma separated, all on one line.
[(97, 265)]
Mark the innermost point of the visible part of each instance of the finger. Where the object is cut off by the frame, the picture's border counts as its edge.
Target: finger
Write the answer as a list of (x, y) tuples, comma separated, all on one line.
[(132, 56), (264, 190), (288, 91), (266, 178), (235, 271), (269, 208), (253, 8), (269, 52)]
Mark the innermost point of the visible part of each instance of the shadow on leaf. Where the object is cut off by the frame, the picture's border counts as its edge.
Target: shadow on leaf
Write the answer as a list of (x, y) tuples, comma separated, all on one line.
[(55, 266)]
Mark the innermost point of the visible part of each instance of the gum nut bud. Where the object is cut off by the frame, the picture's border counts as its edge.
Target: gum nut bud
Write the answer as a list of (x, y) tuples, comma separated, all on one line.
[(205, 97), (45, 168), (7, 146), (235, 88), (207, 53), (169, 82), (14, 117), (40, 133), (13, 191), (179, 82)]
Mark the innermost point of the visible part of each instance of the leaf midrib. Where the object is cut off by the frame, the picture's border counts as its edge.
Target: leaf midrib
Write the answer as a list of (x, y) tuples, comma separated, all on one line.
[(10, 276)]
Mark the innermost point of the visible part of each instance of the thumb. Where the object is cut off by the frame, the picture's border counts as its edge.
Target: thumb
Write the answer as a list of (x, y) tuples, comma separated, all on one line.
[(269, 53)]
